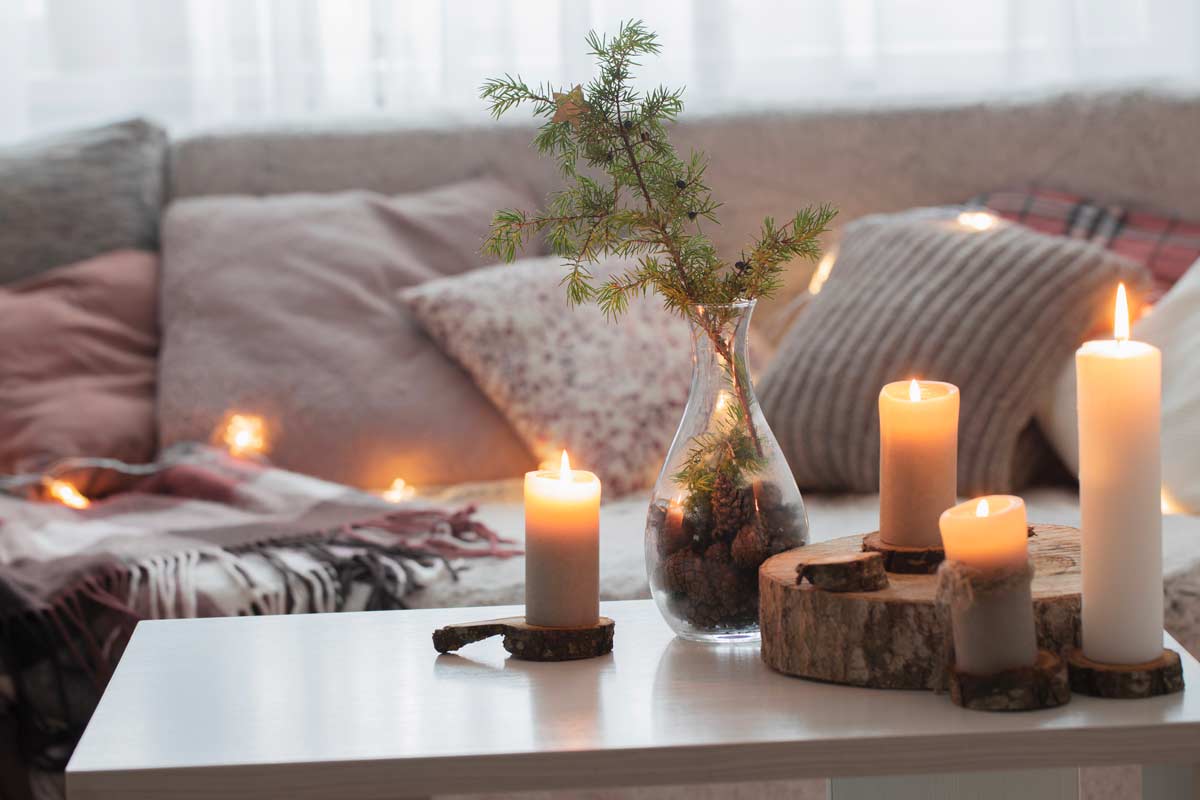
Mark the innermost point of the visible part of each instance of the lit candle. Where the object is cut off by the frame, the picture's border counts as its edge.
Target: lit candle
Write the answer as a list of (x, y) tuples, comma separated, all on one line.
[(562, 547), (991, 600), (1118, 389), (986, 533), (918, 460)]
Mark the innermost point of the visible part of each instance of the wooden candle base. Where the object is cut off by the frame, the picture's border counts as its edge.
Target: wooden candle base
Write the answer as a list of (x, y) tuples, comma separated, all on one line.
[(1163, 675), (850, 572), (1044, 685), (904, 560), (531, 642), (894, 638)]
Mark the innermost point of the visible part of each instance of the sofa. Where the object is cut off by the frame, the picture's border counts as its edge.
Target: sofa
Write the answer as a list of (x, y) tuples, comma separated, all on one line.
[(1135, 148)]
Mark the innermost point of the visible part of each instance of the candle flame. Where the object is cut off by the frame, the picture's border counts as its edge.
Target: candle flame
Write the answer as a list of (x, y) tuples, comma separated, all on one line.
[(1121, 316), (66, 493), (982, 510), (914, 390), (399, 491), (564, 469), (244, 434)]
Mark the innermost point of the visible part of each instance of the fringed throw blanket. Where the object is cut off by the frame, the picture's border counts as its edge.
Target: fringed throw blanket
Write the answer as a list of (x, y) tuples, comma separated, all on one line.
[(204, 536)]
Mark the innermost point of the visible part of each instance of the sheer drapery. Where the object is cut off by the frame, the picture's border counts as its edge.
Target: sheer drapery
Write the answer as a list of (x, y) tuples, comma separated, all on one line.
[(200, 63)]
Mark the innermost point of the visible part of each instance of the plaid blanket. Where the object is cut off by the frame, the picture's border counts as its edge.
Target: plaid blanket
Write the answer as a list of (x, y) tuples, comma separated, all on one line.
[(1166, 245), (74, 582)]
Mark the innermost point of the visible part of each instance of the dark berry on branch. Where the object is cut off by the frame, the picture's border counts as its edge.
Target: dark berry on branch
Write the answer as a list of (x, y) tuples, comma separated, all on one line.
[(628, 124), (680, 184), (691, 215), (740, 266)]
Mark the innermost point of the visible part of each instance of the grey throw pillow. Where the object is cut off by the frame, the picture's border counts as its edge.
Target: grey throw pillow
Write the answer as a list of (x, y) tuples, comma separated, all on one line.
[(917, 294), (71, 197)]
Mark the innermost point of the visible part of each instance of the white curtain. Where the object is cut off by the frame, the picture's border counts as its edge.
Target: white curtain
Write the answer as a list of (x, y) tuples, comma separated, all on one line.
[(204, 63)]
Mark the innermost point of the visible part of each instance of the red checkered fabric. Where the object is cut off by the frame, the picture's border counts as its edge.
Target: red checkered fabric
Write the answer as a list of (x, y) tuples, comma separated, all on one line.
[(1165, 245)]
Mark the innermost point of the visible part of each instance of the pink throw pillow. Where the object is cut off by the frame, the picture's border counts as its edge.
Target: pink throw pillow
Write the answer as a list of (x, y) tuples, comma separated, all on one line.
[(285, 307), (77, 362)]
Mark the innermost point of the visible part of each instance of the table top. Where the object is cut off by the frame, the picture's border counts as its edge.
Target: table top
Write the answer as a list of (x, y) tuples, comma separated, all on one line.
[(362, 705)]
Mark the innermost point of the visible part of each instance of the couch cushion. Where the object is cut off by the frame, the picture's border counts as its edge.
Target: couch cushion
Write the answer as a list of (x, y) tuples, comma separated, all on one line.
[(921, 295), (1174, 327), (285, 306), (567, 377), (78, 195), (77, 362)]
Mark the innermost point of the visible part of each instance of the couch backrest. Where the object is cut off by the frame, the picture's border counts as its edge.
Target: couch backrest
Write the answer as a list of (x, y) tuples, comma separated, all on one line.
[(1136, 147)]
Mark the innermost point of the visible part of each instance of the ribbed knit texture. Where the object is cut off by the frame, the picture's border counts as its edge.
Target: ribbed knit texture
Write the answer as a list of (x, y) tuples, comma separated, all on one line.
[(994, 312)]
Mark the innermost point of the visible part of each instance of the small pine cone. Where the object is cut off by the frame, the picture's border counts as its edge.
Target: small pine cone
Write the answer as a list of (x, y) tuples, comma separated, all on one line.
[(717, 553), (731, 507), (750, 547), (682, 572)]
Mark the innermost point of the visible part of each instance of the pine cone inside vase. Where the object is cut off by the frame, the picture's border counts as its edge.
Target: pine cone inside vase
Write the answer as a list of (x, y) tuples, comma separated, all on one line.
[(732, 506), (751, 546)]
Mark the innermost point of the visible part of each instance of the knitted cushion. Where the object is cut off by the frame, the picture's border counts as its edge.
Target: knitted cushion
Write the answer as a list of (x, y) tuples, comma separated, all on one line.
[(919, 295), (75, 196), (611, 394)]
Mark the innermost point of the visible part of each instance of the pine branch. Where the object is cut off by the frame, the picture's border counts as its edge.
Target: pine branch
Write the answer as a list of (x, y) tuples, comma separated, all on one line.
[(649, 210)]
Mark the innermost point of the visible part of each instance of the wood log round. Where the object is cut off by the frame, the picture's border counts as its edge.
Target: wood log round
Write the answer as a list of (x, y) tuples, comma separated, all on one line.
[(893, 638), (1163, 675), (852, 572), (1044, 685), (531, 642), (905, 560)]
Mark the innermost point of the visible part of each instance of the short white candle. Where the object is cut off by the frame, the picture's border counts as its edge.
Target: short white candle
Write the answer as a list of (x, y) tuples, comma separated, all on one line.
[(995, 632), (918, 460), (1119, 387), (562, 547)]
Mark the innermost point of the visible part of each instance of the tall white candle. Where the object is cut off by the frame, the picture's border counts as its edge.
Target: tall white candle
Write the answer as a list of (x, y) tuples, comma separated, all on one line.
[(1118, 385), (918, 460), (562, 547)]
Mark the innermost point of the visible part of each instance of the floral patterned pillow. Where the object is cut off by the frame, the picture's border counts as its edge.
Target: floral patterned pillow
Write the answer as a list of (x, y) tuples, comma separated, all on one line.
[(610, 393)]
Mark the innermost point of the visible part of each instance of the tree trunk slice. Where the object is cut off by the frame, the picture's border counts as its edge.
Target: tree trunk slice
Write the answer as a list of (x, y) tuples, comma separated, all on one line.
[(904, 560), (893, 638), (531, 642), (854, 572), (1044, 685), (1164, 675)]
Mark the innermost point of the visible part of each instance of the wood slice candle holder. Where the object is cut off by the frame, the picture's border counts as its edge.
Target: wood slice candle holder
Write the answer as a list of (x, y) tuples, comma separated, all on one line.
[(852, 572), (904, 560), (531, 642), (893, 638), (1163, 675), (1044, 685)]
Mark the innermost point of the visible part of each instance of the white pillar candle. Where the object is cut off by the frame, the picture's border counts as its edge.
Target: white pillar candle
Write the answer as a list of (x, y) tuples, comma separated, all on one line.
[(993, 628), (562, 547), (918, 460), (1118, 385)]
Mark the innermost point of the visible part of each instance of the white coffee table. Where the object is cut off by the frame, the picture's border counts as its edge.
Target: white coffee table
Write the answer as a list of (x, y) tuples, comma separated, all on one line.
[(360, 706)]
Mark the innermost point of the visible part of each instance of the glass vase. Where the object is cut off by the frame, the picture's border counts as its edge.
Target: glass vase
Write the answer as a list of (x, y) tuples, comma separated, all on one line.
[(725, 500)]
